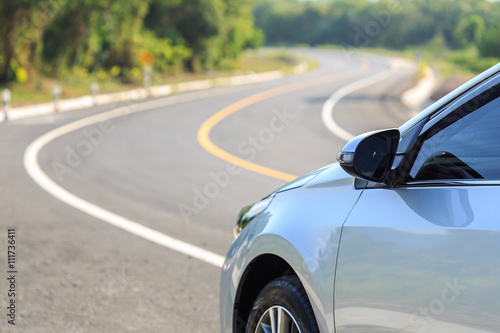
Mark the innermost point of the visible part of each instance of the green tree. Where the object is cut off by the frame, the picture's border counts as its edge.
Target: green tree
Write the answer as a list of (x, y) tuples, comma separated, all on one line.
[(469, 31), (91, 34), (490, 45), (211, 29), (195, 22), (21, 32)]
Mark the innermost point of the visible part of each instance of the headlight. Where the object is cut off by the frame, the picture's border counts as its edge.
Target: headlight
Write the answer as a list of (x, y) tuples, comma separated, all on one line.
[(248, 213)]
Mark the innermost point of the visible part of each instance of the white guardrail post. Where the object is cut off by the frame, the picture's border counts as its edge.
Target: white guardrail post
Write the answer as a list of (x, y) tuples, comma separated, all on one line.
[(148, 79), (56, 91), (94, 90), (6, 98)]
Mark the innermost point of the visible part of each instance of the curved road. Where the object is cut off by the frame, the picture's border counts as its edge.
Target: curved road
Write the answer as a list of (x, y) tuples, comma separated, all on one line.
[(159, 164)]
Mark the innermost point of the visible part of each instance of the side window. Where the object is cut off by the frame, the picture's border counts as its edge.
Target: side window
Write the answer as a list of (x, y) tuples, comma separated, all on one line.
[(465, 144)]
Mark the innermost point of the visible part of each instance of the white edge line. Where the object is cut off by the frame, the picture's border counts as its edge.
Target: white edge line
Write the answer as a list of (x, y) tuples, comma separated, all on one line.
[(327, 110), (36, 173)]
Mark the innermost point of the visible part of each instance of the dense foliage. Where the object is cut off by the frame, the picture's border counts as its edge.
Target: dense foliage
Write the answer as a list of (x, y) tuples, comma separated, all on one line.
[(59, 37), (394, 24), (56, 37)]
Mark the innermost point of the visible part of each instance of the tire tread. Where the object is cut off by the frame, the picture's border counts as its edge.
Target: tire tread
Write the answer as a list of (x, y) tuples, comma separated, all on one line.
[(292, 285)]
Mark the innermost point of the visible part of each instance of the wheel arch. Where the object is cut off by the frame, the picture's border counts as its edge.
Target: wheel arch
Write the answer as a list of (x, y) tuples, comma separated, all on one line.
[(253, 280)]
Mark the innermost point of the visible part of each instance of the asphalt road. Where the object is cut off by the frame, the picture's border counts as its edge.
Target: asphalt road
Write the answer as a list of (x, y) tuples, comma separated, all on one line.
[(76, 273)]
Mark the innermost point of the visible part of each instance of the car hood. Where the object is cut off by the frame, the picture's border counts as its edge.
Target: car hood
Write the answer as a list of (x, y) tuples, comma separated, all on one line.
[(325, 175), (301, 181)]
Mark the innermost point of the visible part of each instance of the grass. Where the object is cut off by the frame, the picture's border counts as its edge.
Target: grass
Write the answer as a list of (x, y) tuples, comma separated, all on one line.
[(457, 63), (79, 81), (40, 90), (449, 63)]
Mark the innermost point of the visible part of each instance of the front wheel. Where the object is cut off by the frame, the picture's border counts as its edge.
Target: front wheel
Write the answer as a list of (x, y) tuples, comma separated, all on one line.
[(282, 307)]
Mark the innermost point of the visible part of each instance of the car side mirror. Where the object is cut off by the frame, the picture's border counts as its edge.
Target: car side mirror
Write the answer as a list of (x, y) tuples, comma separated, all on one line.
[(370, 156)]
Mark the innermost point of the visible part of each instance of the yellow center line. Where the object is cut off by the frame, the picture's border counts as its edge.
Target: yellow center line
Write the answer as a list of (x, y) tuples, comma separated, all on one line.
[(208, 125)]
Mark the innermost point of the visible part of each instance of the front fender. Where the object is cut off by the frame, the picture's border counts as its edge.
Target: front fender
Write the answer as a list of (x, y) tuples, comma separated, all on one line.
[(303, 227)]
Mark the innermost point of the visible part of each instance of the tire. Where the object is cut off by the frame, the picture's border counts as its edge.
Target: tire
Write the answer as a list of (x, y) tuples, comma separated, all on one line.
[(283, 298)]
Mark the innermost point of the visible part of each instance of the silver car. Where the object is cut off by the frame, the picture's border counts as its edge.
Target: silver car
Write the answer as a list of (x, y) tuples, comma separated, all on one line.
[(401, 235)]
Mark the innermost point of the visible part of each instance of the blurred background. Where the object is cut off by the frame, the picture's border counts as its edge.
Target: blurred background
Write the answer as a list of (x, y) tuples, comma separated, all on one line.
[(111, 42)]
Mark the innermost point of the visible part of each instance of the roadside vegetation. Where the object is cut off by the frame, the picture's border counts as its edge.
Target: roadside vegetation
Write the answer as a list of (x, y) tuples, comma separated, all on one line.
[(78, 83), (57, 37), (74, 43), (456, 36), (112, 42)]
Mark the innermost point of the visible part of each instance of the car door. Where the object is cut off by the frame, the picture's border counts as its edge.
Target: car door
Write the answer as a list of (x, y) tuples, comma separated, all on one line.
[(424, 255)]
